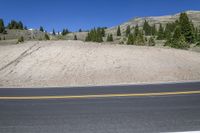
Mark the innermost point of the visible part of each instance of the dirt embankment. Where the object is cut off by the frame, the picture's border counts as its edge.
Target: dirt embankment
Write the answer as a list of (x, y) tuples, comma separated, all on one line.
[(75, 63)]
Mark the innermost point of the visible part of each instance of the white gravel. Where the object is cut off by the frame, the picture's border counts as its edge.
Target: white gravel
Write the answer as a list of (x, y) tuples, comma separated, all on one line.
[(75, 63)]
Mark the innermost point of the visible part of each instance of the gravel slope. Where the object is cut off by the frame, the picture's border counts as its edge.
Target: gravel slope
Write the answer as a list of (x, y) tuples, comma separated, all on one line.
[(75, 63)]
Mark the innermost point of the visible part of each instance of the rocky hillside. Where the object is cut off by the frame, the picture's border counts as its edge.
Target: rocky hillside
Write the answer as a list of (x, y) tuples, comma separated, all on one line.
[(27, 34), (193, 15)]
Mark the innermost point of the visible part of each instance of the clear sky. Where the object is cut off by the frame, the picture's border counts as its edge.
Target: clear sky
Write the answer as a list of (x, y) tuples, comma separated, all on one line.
[(86, 14)]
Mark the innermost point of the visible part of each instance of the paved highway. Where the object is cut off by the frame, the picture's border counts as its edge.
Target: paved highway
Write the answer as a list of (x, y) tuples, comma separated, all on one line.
[(111, 109)]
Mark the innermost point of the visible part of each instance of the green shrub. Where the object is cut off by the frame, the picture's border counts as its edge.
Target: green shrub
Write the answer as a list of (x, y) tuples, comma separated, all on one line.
[(110, 38), (46, 36), (151, 42), (21, 39)]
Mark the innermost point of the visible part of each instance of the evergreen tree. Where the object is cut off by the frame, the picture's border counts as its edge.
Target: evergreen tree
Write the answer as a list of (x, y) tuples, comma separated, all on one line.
[(110, 38), (41, 29), (131, 40), (186, 28), (65, 32), (75, 37), (20, 25), (54, 33), (177, 33), (153, 30), (128, 30), (80, 30), (196, 34), (15, 25), (2, 27), (178, 40), (160, 33), (147, 28), (167, 32), (136, 32), (95, 35), (101, 30), (118, 31), (139, 39), (25, 28)]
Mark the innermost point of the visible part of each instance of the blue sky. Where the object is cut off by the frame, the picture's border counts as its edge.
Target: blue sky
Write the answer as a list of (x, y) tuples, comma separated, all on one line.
[(86, 14)]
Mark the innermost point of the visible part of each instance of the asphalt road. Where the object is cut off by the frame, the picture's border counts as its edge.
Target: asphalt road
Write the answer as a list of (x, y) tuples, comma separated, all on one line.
[(160, 108)]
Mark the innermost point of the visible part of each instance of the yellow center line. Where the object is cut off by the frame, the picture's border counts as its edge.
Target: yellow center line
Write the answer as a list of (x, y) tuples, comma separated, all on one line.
[(97, 96)]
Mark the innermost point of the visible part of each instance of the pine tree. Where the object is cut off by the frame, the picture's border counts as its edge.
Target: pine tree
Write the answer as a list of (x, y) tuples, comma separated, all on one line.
[(167, 32), (41, 29), (131, 40), (118, 31), (178, 40), (20, 25), (15, 25), (128, 30), (25, 28), (153, 30), (136, 32), (186, 27), (2, 27), (54, 33), (75, 37), (139, 39), (80, 30), (95, 35), (196, 34), (177, 33), (160, 33), (110, 38), (65, 32), (147, 28)]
